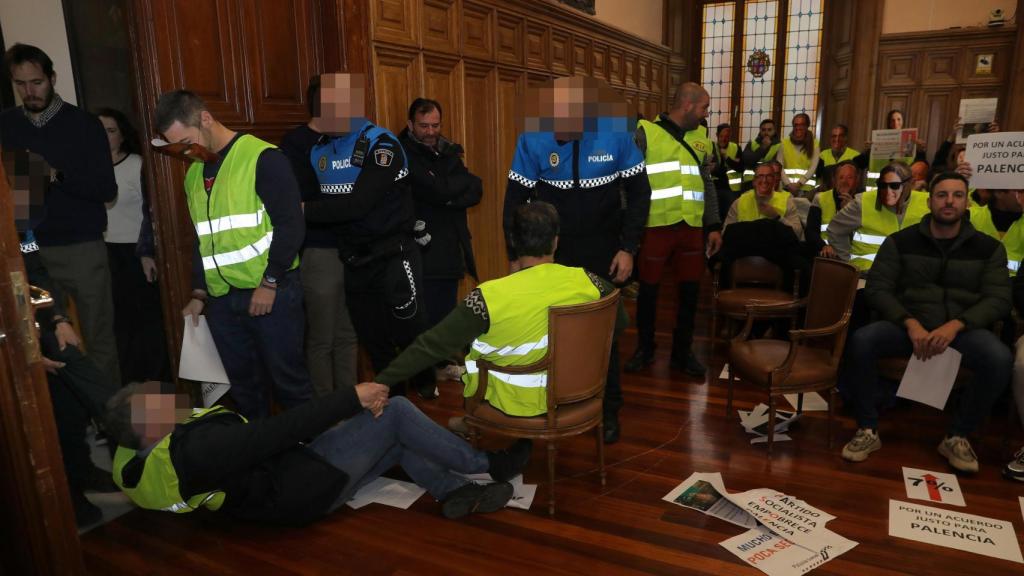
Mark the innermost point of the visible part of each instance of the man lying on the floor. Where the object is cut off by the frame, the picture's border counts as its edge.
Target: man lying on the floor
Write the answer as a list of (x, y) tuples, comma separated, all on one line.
[(176, 459)]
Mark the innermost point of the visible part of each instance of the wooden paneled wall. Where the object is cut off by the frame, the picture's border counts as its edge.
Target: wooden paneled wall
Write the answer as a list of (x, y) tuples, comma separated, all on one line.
[(926, 75), (477, 57)]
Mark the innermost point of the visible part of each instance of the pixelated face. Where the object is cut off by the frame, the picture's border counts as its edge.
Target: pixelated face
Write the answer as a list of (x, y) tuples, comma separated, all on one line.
[(896, 121), (342, 102), (846, 178), (571, 107), (767, 130), (764, 180), (724, 135), (426, 127), (1020, 197), (837, 139), (960, 155), (33, 86), (154, 414), (114, 136), (800, 125), (28, 176), (948, 201), (777, 172), (919, 171)]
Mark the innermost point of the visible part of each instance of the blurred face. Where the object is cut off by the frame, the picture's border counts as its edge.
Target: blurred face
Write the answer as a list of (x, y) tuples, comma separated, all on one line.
[(568, 112), (764, 181), (201, 134), (342, 101), (28, 176), (694, 112), (767, 131), (846, 179), (154, 415), (960, 156), (1020, 197), (837, 139), (896, 121), (114, 136), (33, 86), (427, 127), (948, 201), (777, 173), (890, 187), (800, 125)]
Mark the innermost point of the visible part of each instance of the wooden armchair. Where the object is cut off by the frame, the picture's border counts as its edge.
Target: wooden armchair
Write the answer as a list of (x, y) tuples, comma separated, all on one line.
[(579, 342), (753, 280), (809, 362)]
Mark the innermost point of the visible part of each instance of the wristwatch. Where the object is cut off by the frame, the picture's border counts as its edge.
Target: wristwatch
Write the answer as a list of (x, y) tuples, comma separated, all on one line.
[(269, 282)]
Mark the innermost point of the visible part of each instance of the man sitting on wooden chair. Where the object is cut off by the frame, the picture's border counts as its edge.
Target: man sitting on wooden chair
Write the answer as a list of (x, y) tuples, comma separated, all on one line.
[(937, 284), (505, 321)]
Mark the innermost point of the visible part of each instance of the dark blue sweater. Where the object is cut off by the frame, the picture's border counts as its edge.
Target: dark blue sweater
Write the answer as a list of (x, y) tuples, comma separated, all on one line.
[(73, 143)]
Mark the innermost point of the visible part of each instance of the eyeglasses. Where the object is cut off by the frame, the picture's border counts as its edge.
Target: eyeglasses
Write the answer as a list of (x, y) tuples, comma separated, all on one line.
[(892, 185)]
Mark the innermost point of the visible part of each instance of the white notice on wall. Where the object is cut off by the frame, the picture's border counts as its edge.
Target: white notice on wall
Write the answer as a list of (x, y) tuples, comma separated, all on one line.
[(976, 115), (954, 529)]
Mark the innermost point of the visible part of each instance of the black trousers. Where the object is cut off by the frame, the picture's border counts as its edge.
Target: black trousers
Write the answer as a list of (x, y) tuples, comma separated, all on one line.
[(385, 301), (138, 319), (595, 254)]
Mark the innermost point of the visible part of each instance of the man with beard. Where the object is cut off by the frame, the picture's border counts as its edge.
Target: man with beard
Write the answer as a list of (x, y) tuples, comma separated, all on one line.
[(70, 235), (935, 285)]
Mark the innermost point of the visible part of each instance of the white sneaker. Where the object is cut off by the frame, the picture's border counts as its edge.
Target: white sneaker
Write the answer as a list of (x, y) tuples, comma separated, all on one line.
[(864, 442), (958, 451)]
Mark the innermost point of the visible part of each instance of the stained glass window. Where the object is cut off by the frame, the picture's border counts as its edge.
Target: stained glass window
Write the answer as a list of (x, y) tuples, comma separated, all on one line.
[(717, 59), (760, 24), (803, 59)]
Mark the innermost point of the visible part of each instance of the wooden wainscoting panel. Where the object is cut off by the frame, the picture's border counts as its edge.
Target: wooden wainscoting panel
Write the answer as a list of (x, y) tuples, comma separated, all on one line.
[(658, 83), (898, 70), (398, 82), (936, 106), (477, 31), (442, 81), (581, 56), (441, 25), (395, 21), (481, 113), (279, 64), (561, 52), (616, 70), (894, 100), (511, 38), (632, 70), (538, 46), (599, 65), (941, 67)]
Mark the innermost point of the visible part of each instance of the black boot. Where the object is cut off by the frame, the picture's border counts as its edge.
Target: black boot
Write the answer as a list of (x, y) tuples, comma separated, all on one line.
[(472, 498), (682, 338), (646, 307), (509, 463)]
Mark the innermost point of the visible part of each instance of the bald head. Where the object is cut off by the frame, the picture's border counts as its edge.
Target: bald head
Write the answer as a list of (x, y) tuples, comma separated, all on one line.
[(689, 105)]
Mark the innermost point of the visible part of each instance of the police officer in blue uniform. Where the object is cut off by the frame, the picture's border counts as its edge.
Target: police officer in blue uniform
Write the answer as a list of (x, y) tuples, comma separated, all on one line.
[(365, 196), (585, 163)]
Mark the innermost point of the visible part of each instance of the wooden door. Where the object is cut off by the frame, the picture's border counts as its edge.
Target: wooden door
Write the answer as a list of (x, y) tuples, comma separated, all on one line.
[(37, 525)]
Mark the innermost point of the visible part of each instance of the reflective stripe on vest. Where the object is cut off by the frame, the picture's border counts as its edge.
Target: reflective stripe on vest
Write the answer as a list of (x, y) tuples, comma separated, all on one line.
[(1013, 240), (876, 225), (517, 307), (231, 222), (677, 188), (827, 203), (746, 210), (796, 163), (829, 159)]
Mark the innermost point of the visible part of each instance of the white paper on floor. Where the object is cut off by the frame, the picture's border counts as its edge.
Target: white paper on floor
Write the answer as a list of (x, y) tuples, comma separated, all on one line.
[(756, 422), (724, 375), (813, 402), (786, 536), (932, 486), (954, 529), (388, 492)]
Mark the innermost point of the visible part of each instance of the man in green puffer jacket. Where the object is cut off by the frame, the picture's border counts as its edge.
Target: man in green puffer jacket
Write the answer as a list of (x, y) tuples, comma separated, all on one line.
[(935, 285)]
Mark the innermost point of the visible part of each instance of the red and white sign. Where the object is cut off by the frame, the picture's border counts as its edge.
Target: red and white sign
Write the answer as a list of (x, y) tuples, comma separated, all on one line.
[(932, 486)]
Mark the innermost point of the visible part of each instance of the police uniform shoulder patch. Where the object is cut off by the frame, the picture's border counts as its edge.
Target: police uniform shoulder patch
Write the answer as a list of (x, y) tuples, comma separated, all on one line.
[(383, 157), (553, 159), (321, 164)]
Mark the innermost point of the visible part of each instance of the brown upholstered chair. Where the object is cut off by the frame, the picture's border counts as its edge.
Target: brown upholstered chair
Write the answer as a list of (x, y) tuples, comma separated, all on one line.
[(809, 362), (579, 342), (753, 280)]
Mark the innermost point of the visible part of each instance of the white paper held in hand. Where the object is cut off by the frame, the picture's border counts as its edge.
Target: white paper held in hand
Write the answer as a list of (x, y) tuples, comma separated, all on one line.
[(930, 382)]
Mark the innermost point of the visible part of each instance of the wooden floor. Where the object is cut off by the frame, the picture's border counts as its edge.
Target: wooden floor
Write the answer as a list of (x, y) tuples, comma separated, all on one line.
[(672, 426)]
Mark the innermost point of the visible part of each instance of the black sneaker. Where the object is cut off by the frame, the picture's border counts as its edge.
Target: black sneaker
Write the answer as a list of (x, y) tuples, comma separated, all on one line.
[(86, 513), (509, 463), (1014, 470), (641, 359), (611, 428), (428, 390), (689, 365), (476, 498)]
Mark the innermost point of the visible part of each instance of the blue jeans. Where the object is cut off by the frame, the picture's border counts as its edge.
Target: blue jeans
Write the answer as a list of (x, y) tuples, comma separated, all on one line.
[(983, 353), (262, 352), (365, 447)]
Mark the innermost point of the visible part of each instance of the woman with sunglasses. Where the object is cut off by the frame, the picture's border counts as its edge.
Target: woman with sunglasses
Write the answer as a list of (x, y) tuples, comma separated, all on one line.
[(856, 232)]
